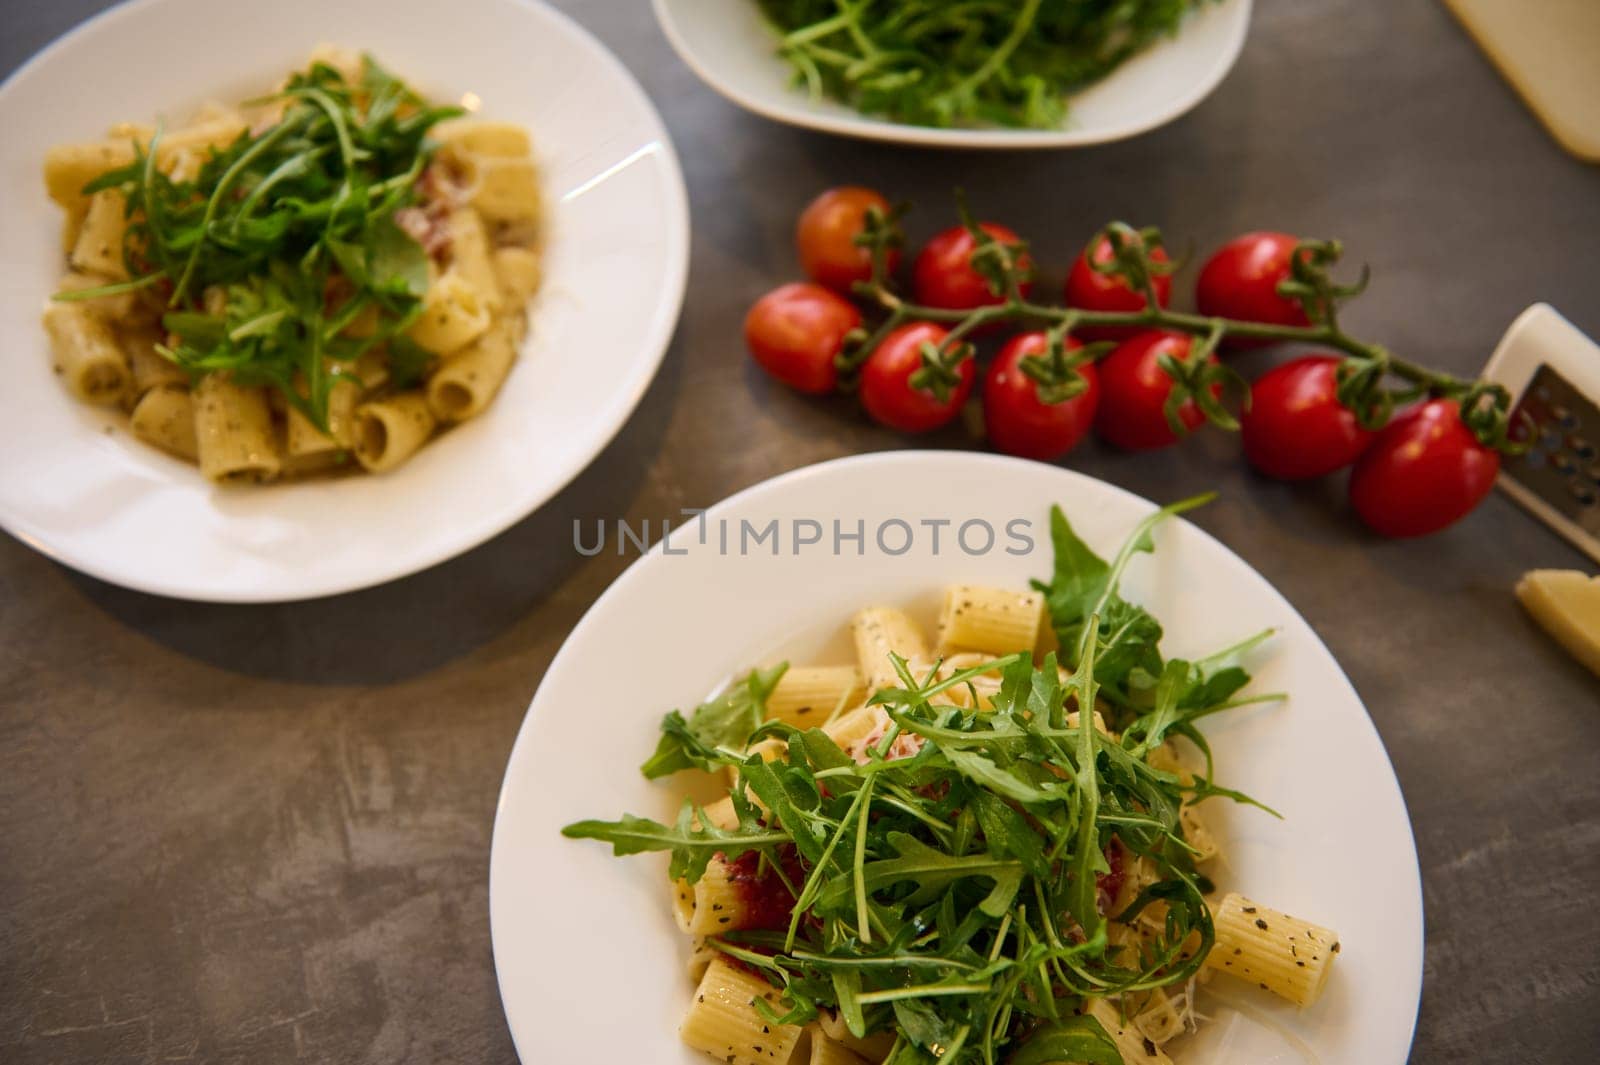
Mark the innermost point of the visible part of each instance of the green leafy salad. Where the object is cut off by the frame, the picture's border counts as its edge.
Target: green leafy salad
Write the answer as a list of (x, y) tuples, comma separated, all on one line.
[(959, 63), (987, 876)]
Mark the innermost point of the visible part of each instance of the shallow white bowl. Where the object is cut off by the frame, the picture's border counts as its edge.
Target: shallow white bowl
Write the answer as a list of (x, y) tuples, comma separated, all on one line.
[(588, 956), (731, 48), (89, 495)]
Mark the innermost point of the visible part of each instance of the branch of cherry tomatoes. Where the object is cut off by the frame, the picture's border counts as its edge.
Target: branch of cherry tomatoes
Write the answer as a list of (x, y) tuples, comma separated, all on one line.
[(1425, 445)]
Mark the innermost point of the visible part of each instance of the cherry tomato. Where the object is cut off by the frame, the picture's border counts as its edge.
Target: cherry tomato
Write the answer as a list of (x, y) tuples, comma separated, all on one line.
[(1134, 390), (795, 331), (826, 234), (943, 275), (1424, 471), (1017, 421), (886, 389), (1296, 428), (1241, 281), (1090, 291)]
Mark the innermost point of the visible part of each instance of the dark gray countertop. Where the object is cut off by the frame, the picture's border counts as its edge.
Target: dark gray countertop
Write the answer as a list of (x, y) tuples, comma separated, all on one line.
[(245, 834)]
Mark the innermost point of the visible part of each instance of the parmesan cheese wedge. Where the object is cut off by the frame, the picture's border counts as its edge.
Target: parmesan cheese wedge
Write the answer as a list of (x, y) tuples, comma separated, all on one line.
[(1566, 603)]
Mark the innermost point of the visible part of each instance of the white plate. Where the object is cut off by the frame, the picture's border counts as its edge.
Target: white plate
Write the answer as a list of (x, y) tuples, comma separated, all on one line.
[(617, 260), (729, 45), (589, 958)]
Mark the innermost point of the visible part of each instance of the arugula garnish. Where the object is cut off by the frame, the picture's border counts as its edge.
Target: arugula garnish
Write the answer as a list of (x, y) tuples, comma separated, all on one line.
[(957, 896), (726, 722), (295, 224)]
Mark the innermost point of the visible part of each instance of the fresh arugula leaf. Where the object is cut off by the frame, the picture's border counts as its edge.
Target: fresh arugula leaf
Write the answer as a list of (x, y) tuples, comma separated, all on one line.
[(725, 722), (1081, 1040)]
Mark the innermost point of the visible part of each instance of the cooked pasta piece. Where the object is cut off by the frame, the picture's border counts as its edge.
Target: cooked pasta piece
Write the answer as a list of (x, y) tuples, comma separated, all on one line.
[(806, 696), (98, 249), (86, 353), (234, 434), (1279, 953), (302, 438), (874, 1047), (1158, 1019), (718, 902), (518, 273), (997, 621), (880, 631), (476, 136), (1135, 1047), (723, 1020), (1197, 833), (852, 729), (151, 369), (504, 190), (69, 167), (389, 431), (470, 255), (165, 417), (455, 312), (825, 1051), (113, 308), (466, 383)]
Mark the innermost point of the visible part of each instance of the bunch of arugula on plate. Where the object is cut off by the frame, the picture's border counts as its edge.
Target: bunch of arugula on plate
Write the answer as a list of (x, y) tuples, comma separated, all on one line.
[(954, 896), (954, 63)]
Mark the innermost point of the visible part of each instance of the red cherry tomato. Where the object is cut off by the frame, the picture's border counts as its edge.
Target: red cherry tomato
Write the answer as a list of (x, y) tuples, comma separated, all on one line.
[(826, 232), (1134, 390), (1296, 428), (1241, 281), (943, 275), (1017, 421), (1424, 471), (886, 389), (795, 331), (1090, 291)]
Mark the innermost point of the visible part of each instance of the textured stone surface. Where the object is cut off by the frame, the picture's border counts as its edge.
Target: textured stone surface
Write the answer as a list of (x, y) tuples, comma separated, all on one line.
[(261, 834)]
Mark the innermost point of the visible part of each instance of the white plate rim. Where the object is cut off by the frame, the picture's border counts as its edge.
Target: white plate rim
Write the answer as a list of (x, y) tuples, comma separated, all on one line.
[(662, 327), (500, 889), (864, 127)]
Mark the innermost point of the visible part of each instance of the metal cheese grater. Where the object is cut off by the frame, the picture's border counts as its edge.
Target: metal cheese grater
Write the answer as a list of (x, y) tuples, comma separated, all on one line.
[(1553, 370)]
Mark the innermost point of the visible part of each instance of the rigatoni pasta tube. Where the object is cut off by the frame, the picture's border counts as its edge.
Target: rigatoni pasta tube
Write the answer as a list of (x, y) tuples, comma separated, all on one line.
[(151, 369), (825, 1051), (504, 190), (723, 1020), (234, 434), (1285, 955), (806, 696), (466, 383), (470, 254), (1135, 1047), (880, 631), (86, 353), (165, 417), (390, 430), (998, 621), (302, 437), (728, 897), (98, 249), (454, 314), (874, 1047), (113, 308), (469, 136), (518, 273)]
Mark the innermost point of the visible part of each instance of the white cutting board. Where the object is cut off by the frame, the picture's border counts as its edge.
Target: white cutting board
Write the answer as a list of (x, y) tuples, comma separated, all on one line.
[(1550, 52)]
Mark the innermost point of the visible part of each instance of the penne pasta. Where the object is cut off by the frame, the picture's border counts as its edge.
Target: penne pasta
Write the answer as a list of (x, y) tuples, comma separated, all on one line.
[(164, 417), (880, 632), (996, 621), (455, 312), (234, 434), (807, 696), (723, 1020), (87, 355), (465, 384), (1285, 955), (389, 431)]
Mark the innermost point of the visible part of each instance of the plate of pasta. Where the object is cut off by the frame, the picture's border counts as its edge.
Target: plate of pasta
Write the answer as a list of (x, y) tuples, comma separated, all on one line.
[(879, 827), (327, 306)]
